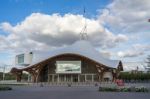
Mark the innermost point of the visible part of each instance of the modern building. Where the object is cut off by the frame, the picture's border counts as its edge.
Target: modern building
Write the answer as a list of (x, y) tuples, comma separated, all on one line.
[(79, 62), (23, 59)]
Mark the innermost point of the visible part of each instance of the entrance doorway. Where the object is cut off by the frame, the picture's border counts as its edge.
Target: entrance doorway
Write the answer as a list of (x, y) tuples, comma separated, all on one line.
[(68, 78), (75, 78), (63, 78)]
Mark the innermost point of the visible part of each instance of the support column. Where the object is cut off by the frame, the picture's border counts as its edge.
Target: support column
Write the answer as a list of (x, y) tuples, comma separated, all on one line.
[(71, 78), (101, 76), (58, 78), (78, 78), (29, 77), (65, 78), (18, 76), (115, 75), (92, 78), (85, 78), (52, 78), (48, 78), (33, 78)]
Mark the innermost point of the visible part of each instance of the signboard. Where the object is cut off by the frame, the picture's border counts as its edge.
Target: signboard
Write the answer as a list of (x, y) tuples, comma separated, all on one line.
[(66, 67)]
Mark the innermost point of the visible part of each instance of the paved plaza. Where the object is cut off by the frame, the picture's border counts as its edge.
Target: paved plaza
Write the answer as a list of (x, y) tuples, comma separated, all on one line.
[(64, 92)]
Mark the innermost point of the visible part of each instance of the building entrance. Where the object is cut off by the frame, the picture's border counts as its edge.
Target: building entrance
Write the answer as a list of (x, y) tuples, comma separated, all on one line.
[(75, 78), (63, 78), (68, 78), (72, 78)]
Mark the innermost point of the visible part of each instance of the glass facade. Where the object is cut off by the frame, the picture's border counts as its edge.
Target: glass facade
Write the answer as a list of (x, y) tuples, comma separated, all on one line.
[(73, 78), (21, 59)]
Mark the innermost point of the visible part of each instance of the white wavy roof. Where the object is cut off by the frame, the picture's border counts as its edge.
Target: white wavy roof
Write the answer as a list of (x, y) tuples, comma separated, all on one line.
[(81, 47)]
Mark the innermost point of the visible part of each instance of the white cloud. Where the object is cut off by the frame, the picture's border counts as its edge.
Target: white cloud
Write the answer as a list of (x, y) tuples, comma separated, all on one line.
[(6, 26), (135, 51), (128, 66), (44, 32), (127, 16), (129, 53)]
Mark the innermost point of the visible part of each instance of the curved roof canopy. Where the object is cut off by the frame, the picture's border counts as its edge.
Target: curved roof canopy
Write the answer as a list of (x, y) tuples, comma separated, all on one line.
[(81, 47)]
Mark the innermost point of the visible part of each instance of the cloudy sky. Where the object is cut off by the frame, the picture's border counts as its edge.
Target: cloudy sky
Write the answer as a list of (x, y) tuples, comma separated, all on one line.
[(117, 28)]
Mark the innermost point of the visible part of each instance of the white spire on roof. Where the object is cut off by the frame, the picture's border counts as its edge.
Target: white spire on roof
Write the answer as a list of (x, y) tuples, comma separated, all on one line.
[(83, 33)]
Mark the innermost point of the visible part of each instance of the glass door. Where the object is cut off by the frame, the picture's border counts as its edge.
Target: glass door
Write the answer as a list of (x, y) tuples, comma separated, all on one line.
[(68, 78), (75, 78)]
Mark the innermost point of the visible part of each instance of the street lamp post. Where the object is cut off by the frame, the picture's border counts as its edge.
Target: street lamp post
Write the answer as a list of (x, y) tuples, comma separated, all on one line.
[(4, 73), (3, 69)]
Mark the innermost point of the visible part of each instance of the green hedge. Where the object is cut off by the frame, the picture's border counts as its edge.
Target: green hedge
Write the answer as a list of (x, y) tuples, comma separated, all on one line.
[(125, 89), (3, 88), (111, 89), (134, 76)]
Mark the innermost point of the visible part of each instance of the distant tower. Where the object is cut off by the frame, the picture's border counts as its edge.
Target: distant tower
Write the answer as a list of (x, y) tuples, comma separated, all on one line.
[(83, 33)]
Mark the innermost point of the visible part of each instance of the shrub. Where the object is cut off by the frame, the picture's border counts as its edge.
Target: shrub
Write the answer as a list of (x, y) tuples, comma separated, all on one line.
[(5, 88), (125, 89), (111, 89), (141, 89)]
